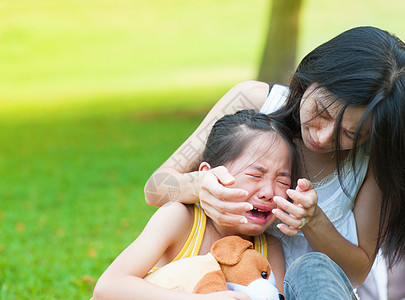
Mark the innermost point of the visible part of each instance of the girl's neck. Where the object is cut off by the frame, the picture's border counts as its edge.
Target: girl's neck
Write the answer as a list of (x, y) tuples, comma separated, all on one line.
[(215, 232)]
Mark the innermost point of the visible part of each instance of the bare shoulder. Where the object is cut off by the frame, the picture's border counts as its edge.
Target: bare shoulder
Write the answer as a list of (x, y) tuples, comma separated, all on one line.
[(367, 213), (369, 194), (175, 221), (252, 85), (171, 222), (171, 219), (248, 94), (166, 230), (181, 213)]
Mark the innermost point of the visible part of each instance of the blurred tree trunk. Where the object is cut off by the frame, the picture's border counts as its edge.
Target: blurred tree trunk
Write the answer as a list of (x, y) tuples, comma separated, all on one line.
[(278, 61)]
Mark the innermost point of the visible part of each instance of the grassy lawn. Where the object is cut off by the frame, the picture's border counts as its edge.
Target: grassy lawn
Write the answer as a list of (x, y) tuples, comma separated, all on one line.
[(95, 95), (72, 197)]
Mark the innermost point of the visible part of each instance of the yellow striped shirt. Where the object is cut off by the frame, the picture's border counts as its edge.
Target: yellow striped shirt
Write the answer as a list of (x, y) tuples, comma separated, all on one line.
[(194, 240)]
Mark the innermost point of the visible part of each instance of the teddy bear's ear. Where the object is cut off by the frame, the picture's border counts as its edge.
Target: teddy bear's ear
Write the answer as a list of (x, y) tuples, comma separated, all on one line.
[(229, 250)]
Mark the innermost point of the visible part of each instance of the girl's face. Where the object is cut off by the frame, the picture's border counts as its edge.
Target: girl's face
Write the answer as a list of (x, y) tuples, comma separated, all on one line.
[(264, 170), (318, 118)]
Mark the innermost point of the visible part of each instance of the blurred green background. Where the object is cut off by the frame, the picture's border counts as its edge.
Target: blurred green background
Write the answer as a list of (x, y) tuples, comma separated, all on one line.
[(95, 95)]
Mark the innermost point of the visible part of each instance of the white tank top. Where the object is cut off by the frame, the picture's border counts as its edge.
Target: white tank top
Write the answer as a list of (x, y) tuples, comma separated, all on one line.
[(332, 199)]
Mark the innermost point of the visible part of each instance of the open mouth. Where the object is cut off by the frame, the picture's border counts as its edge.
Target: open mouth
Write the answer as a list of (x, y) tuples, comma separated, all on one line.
[(258, 215)]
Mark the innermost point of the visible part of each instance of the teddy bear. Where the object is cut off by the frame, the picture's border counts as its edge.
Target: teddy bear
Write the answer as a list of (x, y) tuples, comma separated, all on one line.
[(231, 264)]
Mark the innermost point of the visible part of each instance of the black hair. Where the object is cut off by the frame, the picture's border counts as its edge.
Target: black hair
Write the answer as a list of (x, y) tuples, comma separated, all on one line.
[(232, 133), (365, 67)]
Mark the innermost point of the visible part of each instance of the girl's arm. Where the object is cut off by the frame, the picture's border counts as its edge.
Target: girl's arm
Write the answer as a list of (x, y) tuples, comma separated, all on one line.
[(161, 240), (275, 256), (355, 261), (123, 279), (210, 188)]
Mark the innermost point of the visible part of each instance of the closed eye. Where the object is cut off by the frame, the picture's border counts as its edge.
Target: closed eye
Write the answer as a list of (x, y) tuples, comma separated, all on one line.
[(350, 135), (322, 111), (284, 178), (254, 175)]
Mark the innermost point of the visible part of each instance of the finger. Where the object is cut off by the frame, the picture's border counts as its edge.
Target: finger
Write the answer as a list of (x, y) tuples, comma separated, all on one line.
[(225, 219), (225, 213), (223, 175), (222, 206), (228, 219), (304, 184), (307, 199), (286, 218), (210, 183), (292, 208), (288, 230)]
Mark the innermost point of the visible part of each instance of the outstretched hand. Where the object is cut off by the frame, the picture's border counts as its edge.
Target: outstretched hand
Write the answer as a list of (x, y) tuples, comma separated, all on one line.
[(219, 201), (305, 205)]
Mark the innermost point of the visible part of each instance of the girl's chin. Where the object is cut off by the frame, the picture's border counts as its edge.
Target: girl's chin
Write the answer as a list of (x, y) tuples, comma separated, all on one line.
[(251, 229), (256, 225)]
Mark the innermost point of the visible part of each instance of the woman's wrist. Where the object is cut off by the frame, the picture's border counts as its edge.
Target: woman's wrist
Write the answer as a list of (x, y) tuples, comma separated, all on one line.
[(190, 187), (167, 185)]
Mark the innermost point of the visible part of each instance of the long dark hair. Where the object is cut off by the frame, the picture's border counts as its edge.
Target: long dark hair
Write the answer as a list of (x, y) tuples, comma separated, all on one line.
[(232, 133), (365, 66)]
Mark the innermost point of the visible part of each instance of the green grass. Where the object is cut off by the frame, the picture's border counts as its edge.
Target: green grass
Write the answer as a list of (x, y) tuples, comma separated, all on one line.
[(95, 95), (72, 197)]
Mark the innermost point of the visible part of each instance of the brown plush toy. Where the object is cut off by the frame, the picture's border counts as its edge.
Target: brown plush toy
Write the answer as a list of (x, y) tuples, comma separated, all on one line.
[(231, 264)]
